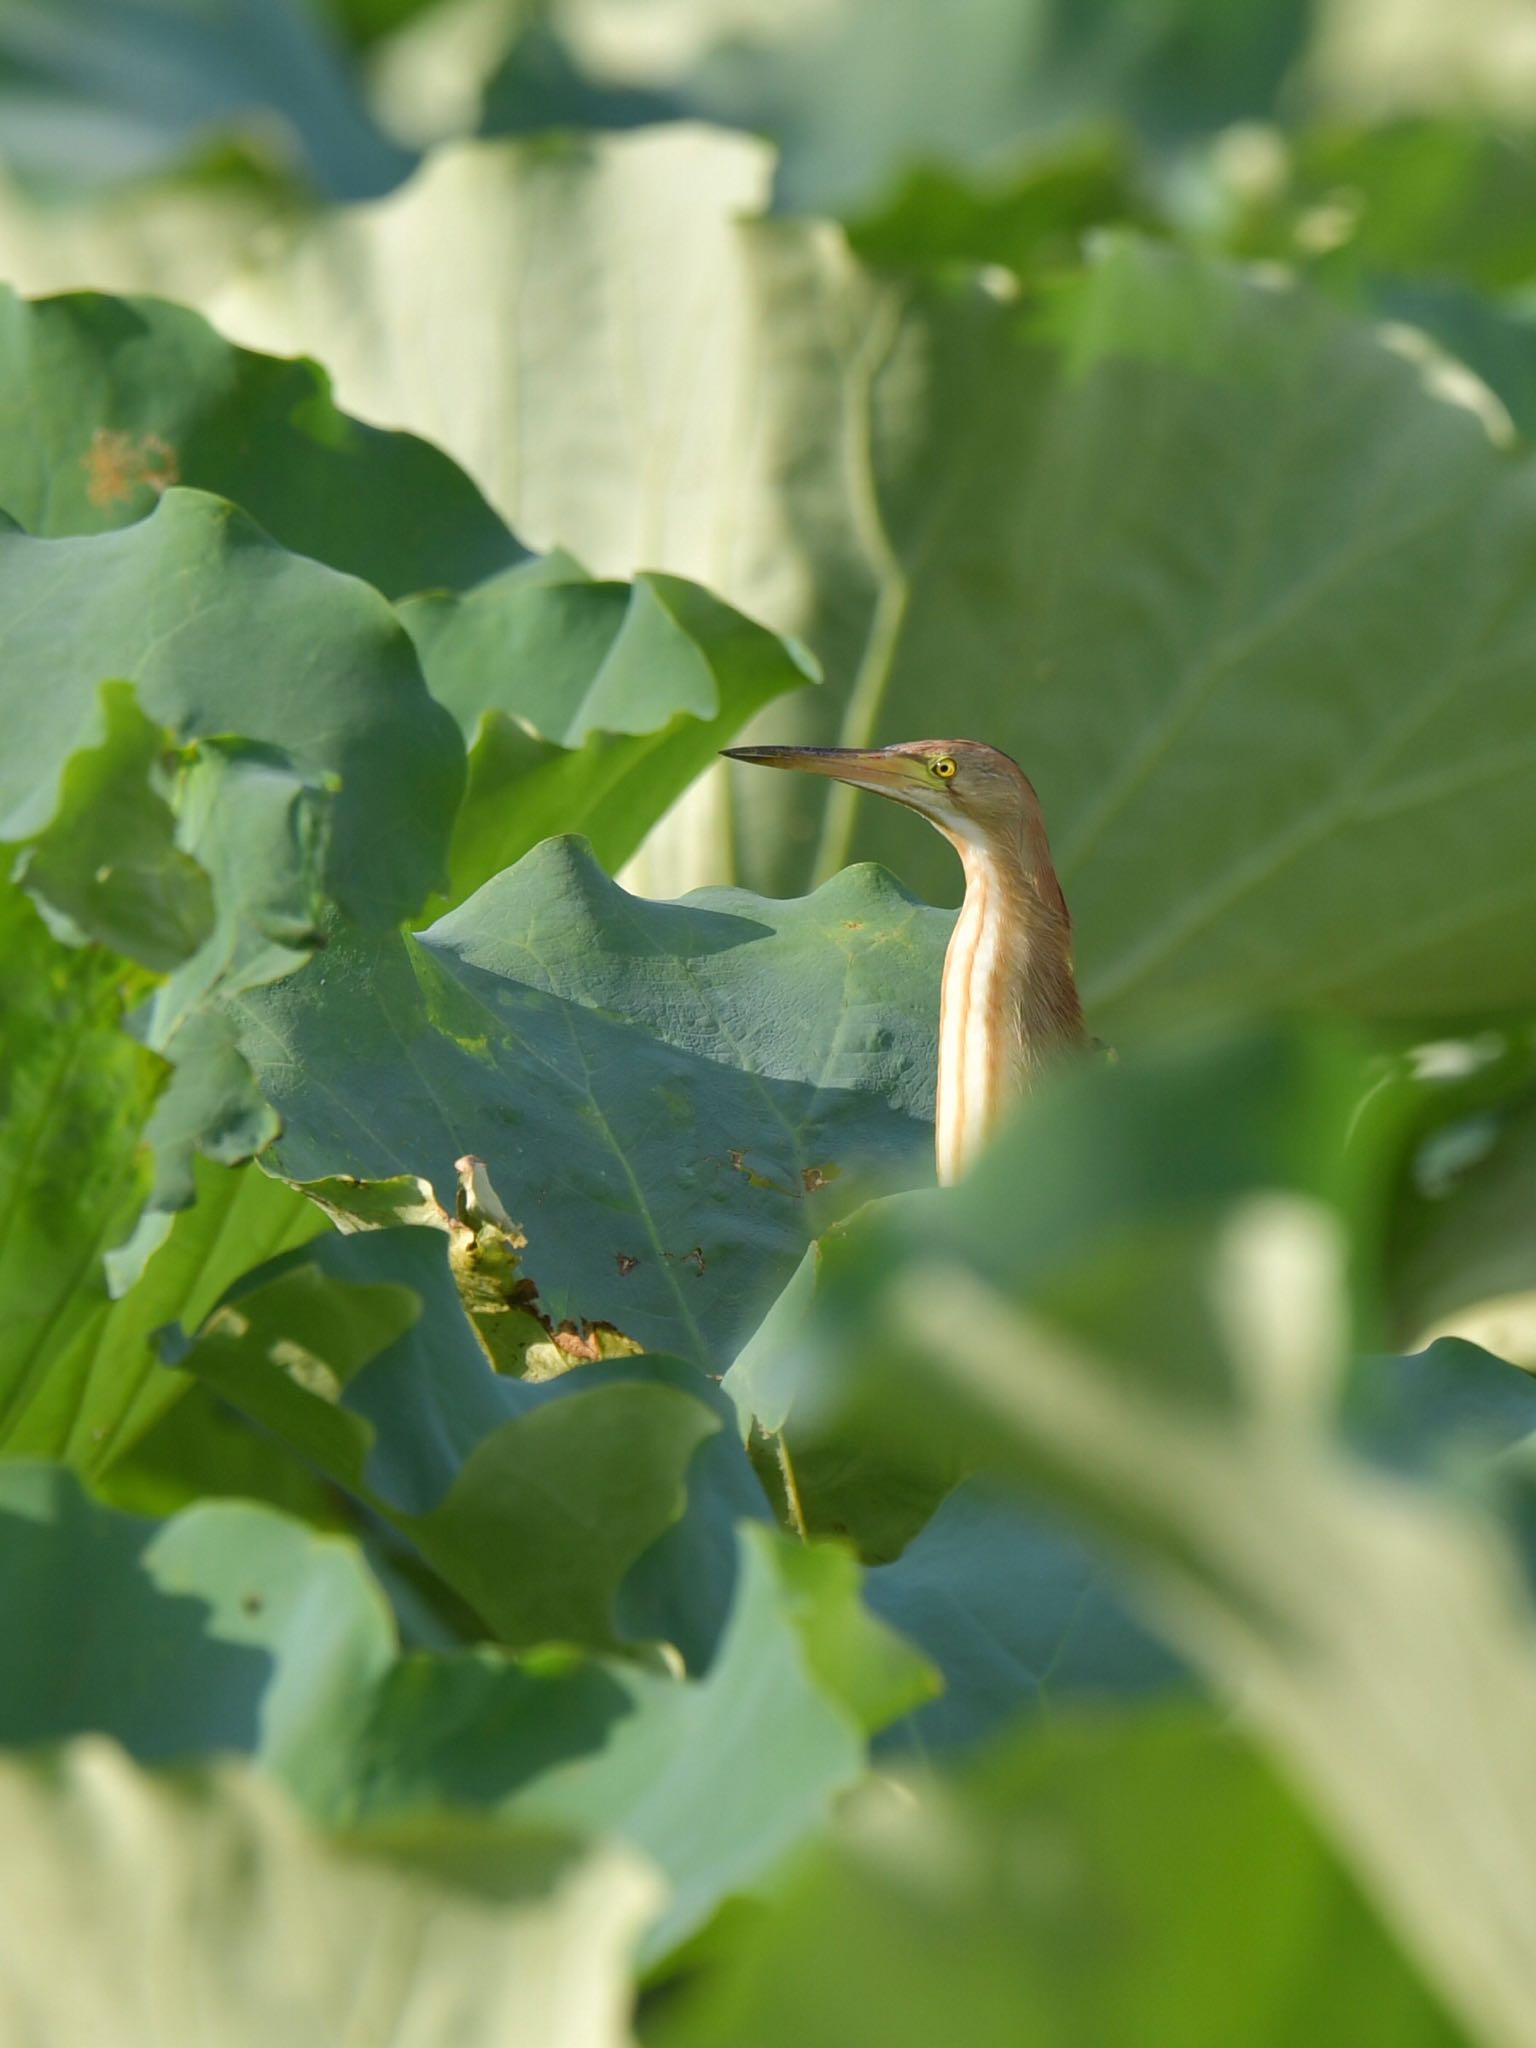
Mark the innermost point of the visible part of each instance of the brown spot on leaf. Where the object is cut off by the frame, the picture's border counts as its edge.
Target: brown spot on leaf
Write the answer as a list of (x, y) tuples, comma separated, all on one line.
[(251, 1603), (814, 1178), (853, 924), (694, 1258), (753, 1179), (118, 463), (625, 1264)]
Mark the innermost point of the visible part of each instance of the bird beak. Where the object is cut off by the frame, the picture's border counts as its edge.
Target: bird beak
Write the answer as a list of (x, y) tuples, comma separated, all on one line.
[(878, 768)]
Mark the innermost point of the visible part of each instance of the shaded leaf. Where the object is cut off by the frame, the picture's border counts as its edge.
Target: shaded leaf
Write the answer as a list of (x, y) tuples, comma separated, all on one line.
[(1021, 1617), (203, 1449), (671, 1098), (532, 1501), (128, 86), (227, 1627), (715, 1780), (203, 862), (338, 730), (1451, 1410), (1070, 1234)]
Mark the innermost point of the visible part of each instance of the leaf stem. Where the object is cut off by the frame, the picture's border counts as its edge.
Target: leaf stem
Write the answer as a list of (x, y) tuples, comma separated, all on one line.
[(791, 1487)]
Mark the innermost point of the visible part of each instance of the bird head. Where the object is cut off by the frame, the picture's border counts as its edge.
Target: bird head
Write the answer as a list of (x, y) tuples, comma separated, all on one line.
[(976, 796), (979, 798)]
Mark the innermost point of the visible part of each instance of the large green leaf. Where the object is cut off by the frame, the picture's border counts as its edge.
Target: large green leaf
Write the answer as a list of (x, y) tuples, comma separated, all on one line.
[(1167, 1374), (1225, 571), (587, 707), (207, 820), (223, 633), (546, 233), (1023, 1617), (715, 1779), (671, 1098), (1148, 1881), (84, 1102), (226, 1628), (532, 1501), (157, 1906), (1196, 608), (106, 403)]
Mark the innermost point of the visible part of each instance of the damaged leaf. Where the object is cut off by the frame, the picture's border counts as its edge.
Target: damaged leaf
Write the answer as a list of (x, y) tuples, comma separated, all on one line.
[(485, 1251), (605, 1055), (532, 1502)]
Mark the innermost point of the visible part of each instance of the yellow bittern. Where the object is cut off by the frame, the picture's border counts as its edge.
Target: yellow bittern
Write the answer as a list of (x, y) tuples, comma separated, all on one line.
[(1008, 1000)]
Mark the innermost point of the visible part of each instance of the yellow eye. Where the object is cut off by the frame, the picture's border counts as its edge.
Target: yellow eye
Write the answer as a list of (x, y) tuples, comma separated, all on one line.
[(943, 767)]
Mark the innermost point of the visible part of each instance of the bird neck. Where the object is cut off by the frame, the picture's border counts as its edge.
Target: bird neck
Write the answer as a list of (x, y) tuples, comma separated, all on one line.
[(1009, 998)]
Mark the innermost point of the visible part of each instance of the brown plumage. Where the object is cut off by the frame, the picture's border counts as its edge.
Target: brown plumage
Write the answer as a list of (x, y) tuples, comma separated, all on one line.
[(1008, 1003)]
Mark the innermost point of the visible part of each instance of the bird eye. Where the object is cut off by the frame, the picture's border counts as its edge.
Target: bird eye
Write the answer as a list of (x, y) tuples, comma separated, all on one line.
[(943, 767)]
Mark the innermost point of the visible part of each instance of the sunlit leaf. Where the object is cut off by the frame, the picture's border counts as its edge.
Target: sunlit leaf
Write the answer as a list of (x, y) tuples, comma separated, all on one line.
[(154, 1901), (587, 707)]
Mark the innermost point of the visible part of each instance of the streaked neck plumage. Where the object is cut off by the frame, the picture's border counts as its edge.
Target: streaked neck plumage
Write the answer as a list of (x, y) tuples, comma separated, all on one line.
[(1009, 1001)]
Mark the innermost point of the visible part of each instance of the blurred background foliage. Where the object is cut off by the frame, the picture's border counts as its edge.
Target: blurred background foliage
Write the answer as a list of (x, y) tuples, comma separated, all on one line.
[(1144, 384), (1381, 147)]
